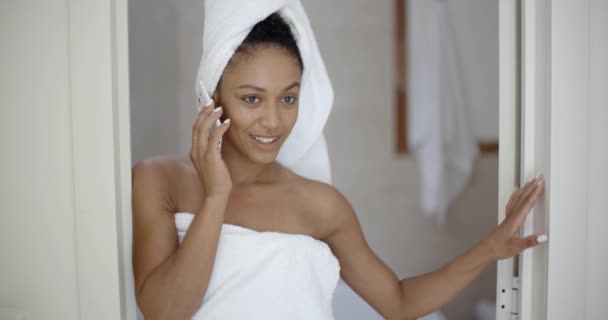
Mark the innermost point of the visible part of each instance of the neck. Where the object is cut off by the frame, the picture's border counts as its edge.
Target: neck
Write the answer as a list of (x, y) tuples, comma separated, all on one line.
[(242, 169)]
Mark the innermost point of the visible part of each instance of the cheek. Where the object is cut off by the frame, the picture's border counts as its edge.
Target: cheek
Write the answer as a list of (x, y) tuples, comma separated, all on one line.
[(240, 116), (292, 117)]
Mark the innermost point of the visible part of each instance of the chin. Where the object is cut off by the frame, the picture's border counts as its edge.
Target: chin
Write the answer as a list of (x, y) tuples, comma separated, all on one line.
[(266, 157)]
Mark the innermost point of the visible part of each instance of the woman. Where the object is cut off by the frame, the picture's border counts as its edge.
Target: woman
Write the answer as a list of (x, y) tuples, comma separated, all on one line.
[(239, 190)]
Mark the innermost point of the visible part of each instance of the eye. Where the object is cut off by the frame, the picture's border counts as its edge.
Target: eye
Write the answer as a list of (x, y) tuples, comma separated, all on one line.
[(290, 99), (251, 99)]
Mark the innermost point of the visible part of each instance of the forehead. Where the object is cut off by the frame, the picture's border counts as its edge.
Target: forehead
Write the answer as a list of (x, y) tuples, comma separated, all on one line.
[(265, 66)]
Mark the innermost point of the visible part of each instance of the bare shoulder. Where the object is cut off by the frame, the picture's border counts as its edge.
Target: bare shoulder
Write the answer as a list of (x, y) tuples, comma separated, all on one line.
[(154, 232), (329, 207), (155, 177), (162, 168), (161, 165)]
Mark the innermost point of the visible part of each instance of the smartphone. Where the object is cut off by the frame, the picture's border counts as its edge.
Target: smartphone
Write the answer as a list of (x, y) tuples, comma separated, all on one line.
[(204, 100), (213, 128)]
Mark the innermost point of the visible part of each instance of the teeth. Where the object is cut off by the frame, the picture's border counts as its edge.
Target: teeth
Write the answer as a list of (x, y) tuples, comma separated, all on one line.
[(265, 140)]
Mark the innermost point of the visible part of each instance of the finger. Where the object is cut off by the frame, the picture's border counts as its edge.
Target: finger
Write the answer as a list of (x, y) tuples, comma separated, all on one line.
[(526, 207), (514, 206), (205, 128), (531, 241), (531, 198), (511, 209), (201, 107), (514, 196), (525, 191), (217, 135), (202, 113)]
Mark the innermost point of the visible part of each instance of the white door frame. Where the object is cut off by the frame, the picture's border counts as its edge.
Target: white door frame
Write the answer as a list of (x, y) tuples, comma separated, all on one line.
[(99, 92), (508, 156), (549, 99)]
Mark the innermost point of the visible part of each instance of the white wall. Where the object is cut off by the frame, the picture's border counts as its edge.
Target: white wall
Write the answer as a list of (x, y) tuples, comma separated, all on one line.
[(36, 187), (597, 222), (165, 39), (64, 87), (155, 77), (475, 26), (356, 41)]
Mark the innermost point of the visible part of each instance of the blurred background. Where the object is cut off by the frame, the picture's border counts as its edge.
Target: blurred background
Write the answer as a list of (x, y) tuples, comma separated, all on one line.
[(357, 39)]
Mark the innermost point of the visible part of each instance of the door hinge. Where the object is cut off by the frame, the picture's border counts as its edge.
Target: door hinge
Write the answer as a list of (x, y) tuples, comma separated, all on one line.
[(515, 299), (509, 299)]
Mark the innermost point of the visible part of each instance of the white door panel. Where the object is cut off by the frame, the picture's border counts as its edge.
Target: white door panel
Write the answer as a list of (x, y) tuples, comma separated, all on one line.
[(559, 71), (65, 161), (37, 265)]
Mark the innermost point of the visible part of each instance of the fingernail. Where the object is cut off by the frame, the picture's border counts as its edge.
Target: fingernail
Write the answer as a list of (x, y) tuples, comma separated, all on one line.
[(199, 108), (540, 181), (542, 238), (226, 121), (218, 109), (210, 103), (535, 177)]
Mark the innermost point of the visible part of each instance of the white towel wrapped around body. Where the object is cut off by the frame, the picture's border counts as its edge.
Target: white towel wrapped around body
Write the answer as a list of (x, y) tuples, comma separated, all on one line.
[(226, 24), (267, 275)]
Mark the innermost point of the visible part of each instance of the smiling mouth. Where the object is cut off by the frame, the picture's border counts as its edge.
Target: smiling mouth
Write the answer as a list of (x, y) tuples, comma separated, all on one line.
[(265, 140)]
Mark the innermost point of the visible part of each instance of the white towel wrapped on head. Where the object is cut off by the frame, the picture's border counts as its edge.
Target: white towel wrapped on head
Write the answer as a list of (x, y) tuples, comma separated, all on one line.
[(227, 23)]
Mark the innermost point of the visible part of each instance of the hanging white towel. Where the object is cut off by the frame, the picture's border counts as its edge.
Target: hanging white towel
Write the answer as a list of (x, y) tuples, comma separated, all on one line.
[(226, 24), (439, 130)]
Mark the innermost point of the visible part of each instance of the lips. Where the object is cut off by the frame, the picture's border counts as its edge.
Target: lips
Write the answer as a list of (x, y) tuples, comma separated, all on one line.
[(265, 142)]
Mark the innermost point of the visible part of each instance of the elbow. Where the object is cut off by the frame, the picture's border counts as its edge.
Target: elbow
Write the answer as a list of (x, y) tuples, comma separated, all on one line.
[(165, 304), (409, 317), (160, 310), (410, 313), (407, 311), (405, 314), (164, 313)]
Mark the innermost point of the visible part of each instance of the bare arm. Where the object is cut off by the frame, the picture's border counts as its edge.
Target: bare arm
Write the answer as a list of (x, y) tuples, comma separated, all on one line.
[(170, 280), (414, 297), (423, 294)]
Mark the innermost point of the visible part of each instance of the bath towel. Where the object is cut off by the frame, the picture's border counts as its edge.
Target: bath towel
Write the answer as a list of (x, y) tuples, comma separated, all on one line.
[(440, 134), (267, 275)]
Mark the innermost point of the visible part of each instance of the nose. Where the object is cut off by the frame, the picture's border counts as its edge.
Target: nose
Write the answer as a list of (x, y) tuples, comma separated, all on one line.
[(271, 117)]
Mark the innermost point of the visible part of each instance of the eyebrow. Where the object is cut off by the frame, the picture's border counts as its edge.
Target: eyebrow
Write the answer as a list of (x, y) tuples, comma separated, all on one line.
[(249, 86)]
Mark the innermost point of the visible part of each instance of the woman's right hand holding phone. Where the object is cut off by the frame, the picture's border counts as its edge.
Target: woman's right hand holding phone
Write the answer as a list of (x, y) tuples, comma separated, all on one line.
[(205, 153)]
